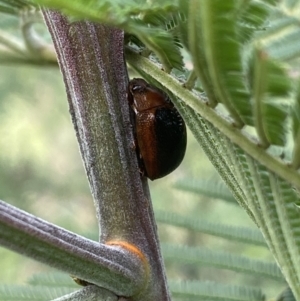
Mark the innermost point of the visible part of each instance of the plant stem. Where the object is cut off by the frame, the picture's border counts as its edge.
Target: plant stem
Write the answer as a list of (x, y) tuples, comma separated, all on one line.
[(92, 63), (59, 248)]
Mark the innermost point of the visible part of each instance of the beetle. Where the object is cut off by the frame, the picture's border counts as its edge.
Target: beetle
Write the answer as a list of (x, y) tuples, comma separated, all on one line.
[(159, 130)]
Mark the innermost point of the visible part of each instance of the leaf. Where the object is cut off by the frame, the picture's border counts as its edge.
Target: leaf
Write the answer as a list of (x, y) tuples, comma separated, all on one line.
[(252, 17), (145, 20), (209, 188), (233, 233), (286, 201), (274, 214), (193, 40), (53, 279), (162, 44), (31, 293), (274, 120), (271, 88), (183, 24), (214, 39), (198, 256), (197, 290)]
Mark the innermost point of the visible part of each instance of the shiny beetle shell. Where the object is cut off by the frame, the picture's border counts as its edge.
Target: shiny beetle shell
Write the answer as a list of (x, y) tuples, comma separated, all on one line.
[(159, 129)]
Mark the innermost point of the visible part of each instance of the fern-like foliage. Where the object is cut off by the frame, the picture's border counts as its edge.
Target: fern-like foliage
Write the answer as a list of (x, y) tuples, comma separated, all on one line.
[(26, 293), (234, 56), (199, 257), (213, 291), (245, 55), (233, 233), (41, 287), (208, 187), (222, 260), (151, 22)]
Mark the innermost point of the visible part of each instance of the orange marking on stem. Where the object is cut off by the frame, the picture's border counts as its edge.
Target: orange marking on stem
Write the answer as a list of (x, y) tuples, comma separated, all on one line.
[(129, 247), (137, 252)]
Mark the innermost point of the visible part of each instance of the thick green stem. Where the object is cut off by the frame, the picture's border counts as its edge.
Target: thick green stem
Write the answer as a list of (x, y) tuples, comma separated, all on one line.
[(92, 63), (103, 265)]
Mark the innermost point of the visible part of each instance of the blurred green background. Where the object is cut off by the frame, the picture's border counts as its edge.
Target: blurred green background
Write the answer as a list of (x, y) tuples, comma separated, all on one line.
[(42, 173)]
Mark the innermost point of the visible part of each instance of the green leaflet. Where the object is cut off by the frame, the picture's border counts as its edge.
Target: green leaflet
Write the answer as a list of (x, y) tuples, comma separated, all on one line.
[(207, 187), (276, 214), (150, 22), (183, 25), (271, 88), (201, 256), (39, 287), (216, 52), (162, 44), (195, 44), (197, 290), (233, 233), (32, 293), (252, 16), (274, 117), (287, 201)]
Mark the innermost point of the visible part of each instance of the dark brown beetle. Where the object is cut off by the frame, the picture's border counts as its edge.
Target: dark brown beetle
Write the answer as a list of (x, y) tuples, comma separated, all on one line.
[(159, 129)]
